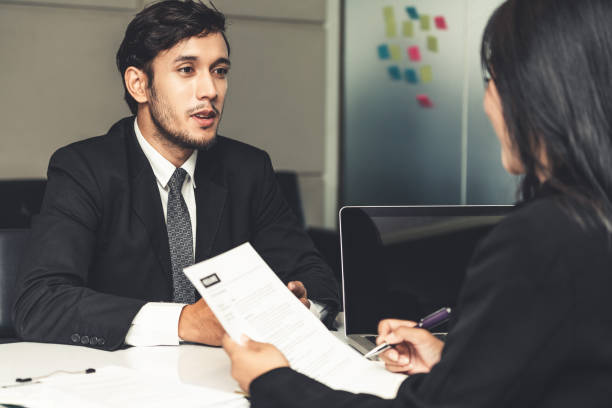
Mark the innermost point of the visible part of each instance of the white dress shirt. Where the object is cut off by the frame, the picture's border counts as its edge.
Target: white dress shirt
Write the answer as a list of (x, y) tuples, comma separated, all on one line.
[(156, 323)]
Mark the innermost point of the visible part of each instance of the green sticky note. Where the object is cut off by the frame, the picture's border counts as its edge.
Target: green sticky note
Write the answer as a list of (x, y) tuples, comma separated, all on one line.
[(426, 74), (432, 43), (408, 29), (396, 52), (425, 22)]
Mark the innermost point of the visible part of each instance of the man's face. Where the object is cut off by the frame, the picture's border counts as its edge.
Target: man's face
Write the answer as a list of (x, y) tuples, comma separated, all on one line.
[(188, 91)]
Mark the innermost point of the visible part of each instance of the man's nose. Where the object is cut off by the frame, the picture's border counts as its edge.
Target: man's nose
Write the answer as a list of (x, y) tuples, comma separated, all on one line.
[(206, 87)]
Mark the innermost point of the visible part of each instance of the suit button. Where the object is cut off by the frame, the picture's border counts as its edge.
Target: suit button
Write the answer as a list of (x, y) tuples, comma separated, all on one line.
[(75, 338), (84, 339), (101, 341), (93, 341)]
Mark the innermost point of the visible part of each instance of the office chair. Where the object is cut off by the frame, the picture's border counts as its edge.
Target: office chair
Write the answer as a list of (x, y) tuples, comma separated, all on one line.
[(21, 199), (289, 186), (12, 244), (325, 240)]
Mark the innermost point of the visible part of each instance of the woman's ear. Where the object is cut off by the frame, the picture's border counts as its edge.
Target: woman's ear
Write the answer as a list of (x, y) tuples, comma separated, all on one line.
[(136, 84)]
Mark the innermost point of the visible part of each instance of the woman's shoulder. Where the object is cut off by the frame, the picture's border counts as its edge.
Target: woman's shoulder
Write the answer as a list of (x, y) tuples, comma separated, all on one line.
[(539, 235), (541, 221)]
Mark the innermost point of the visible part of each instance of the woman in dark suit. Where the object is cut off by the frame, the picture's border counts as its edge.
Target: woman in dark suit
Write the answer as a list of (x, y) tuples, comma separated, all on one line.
[(533, 325)]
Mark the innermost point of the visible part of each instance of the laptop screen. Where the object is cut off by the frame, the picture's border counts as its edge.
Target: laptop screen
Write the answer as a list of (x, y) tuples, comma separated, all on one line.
[(406, 262)]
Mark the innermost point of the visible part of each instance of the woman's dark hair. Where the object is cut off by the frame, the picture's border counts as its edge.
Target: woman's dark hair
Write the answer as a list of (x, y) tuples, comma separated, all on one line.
[(551, 61), (159, 27)]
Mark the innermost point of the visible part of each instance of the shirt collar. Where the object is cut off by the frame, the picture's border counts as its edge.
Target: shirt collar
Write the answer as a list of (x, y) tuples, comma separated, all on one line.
[(162, 168)]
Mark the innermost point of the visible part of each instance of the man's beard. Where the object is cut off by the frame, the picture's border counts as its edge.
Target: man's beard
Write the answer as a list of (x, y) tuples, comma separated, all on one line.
[(161, 115)]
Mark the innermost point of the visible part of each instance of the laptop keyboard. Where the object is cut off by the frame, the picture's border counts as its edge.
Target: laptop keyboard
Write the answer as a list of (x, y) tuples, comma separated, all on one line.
[(371, 338)]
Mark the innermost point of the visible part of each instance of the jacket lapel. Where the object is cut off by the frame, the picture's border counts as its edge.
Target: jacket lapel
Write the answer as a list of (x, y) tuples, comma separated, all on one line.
[(147, 204), (210, 195)]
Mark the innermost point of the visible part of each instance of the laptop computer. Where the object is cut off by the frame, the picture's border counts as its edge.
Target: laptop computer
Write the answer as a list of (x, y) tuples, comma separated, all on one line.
[(405, 262)]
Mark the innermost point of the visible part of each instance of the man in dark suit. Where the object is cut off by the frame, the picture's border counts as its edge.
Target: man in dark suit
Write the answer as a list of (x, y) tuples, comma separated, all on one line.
[(124, 213)]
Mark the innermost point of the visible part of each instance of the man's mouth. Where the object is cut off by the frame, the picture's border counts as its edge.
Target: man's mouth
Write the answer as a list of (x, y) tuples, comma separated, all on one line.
[(205, 117)]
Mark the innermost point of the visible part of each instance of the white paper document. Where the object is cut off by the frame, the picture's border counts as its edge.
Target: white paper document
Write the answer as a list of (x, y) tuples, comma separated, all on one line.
[(116, 387), (248, 298)]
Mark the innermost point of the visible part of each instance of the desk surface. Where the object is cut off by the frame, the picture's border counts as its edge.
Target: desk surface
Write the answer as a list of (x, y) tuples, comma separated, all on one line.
[(187, 364)]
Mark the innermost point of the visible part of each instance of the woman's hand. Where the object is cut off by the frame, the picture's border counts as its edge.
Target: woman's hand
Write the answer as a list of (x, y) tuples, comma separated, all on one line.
[(252, 359), (414, 350)]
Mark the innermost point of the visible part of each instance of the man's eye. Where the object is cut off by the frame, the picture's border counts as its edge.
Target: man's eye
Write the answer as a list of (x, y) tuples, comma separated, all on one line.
[(186, 70), (221, 72)]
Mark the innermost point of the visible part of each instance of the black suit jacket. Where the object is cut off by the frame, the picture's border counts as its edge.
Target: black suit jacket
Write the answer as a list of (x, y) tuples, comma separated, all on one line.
[(532, 327), (99, 248)]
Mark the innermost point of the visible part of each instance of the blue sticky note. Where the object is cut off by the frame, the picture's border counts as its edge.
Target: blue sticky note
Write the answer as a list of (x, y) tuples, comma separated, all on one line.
[(411, 76), (413, 13), (394, 72), (383, 52)]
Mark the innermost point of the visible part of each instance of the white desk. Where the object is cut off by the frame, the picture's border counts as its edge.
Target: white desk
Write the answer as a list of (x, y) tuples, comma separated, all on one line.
[(187, 364)]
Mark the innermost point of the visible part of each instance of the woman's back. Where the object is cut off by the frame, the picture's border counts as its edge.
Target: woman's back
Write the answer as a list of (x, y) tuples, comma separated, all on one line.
[(533, 324)]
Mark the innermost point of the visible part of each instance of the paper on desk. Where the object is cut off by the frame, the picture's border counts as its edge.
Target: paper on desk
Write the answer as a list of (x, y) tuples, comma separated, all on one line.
[(114, 386), (247, 297)]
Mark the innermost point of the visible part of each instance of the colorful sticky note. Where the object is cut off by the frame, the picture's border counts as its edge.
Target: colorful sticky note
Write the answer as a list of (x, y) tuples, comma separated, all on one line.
[(390, 25), (432, 43), (412, 12), (408, 29), (383, 52), (424, 101), (391, 29), (425, 22), (388, 13), (411, 76), (426, 74), (414, 53), (440, 23), (396, 52), (394, 72)]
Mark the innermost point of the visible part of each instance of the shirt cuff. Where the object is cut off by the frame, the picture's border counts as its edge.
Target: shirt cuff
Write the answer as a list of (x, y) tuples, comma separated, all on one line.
[(316, 308), (155, 324)]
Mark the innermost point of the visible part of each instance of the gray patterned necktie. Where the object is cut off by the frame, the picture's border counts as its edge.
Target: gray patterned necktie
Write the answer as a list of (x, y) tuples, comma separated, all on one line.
[(180, 238)]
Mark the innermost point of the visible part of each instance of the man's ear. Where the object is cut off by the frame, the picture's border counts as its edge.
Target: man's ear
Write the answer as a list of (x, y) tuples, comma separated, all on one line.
[(136, 84)]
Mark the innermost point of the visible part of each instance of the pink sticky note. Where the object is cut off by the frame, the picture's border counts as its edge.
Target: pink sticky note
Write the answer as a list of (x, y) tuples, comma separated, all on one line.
[(424, 101), (414, 53), (440, 23)]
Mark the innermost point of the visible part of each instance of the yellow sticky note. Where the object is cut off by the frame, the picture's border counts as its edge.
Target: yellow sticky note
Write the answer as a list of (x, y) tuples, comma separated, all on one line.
[(408, 29), (426, 74), (391, 29), (388, 13), (396, 52), (390, 25), (425, 22), (432, 43)]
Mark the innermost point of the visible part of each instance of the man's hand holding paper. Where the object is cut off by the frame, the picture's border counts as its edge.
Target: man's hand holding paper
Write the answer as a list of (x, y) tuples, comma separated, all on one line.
[(299, 290), (198, 324)]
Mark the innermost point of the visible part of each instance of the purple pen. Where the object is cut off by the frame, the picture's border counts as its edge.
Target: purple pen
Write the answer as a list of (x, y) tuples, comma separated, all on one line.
[(436, 318)]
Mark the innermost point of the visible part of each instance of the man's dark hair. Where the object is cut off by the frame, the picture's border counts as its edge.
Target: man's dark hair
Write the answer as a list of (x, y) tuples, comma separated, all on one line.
[(551, 61), (160, 27)]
